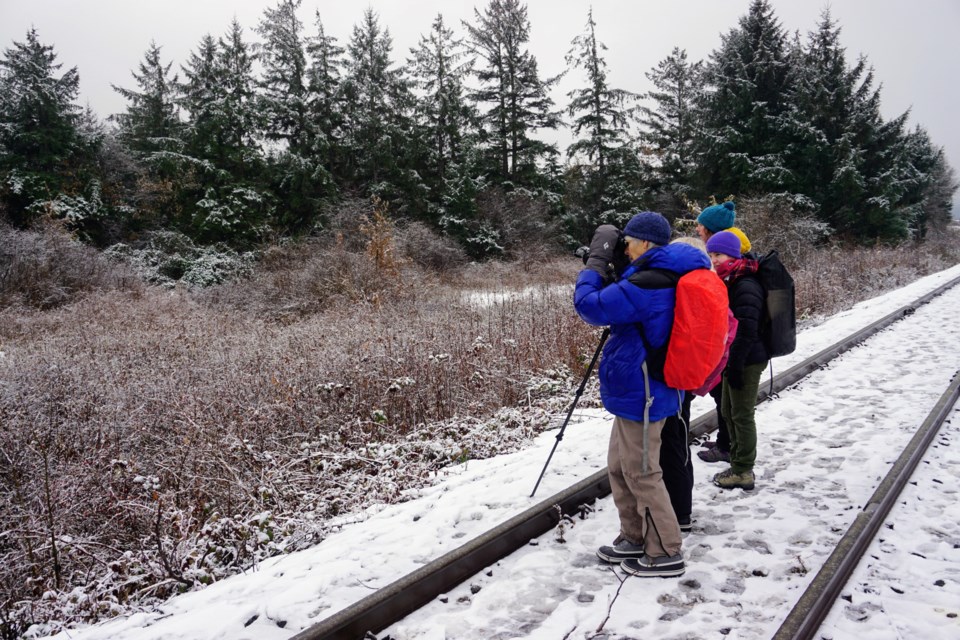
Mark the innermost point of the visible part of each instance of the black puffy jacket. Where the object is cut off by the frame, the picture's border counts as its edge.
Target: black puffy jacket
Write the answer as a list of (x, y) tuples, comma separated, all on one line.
[(746, 302)]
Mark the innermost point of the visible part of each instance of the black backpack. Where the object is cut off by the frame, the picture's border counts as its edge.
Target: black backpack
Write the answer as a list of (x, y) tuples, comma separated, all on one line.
[(779, 327)]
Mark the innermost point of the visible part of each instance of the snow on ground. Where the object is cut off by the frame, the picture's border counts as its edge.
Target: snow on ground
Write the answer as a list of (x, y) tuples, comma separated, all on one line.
[(490, 297), (823, 447)]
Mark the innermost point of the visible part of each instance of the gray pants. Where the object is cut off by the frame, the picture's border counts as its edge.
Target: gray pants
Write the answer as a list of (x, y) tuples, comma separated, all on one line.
[(646, 514)]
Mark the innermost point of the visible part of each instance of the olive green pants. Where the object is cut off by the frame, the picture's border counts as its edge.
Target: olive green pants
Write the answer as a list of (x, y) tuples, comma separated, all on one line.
[(739, 407)]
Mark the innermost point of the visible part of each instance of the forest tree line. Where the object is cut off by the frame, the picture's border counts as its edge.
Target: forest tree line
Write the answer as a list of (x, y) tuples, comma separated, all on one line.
[(258, 136)]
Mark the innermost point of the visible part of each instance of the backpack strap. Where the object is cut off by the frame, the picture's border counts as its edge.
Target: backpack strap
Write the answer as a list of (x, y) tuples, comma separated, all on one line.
[(645, 463), (655, 279)]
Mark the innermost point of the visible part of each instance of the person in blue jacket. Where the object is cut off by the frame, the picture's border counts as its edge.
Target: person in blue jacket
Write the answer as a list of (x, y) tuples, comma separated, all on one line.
[(637, 305)]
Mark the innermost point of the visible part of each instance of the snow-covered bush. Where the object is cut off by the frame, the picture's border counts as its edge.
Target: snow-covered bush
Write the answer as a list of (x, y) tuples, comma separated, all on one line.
[(168, 257)]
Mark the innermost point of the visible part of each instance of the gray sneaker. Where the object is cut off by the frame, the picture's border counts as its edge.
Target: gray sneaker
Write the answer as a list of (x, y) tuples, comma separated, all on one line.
[(622, 549), (659, 567)]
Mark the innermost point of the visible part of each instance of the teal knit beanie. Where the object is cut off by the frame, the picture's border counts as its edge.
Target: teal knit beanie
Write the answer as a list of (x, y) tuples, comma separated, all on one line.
[(719, 217)]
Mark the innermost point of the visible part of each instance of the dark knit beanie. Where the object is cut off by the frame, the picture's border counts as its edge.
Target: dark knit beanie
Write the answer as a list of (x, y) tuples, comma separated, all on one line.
[(724, 242), (648, 225), (718, 217)]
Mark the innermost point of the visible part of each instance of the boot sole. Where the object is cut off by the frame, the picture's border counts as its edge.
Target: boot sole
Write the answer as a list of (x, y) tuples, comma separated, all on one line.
[(745, 487), (666, 572), (615, 559)]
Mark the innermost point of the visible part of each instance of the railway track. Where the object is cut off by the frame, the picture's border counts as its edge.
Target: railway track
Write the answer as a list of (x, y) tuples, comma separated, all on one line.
[(804, 620), (399, 599)]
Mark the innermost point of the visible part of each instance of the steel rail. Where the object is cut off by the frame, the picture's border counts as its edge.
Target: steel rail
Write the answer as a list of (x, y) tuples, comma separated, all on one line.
[(407, 594), (398, 599), (804, 620)]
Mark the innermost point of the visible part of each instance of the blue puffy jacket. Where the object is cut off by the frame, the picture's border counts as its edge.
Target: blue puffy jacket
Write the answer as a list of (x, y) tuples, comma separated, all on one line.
[(622, 305)]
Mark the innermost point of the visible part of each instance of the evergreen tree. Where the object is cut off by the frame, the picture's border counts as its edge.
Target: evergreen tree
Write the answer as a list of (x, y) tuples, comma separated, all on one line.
[(936, 202), (201, 98), (283, 84), (864, 176), (224, 205), (438, 69), (601, 116), (670, 124), (325, 101), (151, 129), (295, 174), (151, 123), (39, 121), (915, 171), (517, 99), (378, 127), (831, 116), (740, 145), (37, 108), (239, 119), (898, 168), (603, 189)]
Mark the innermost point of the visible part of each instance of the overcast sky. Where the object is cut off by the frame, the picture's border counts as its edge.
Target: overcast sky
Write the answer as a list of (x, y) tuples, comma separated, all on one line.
[(910, 43)]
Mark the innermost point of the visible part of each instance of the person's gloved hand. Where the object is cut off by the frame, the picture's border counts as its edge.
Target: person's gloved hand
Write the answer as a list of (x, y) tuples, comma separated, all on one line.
[(602, 248), (735, 378), (620, 259)]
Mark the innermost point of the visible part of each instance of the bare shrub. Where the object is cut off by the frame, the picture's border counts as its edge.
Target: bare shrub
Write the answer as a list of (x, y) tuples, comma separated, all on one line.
[(342, 223), (321, 274), (773, 223), (832, 279), (48, 268), (379, 230), (527, 230), (428, 249), (324, 276), (517, 274)]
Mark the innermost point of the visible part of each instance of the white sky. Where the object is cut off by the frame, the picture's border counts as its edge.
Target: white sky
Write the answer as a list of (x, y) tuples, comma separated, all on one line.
[(909, 44)]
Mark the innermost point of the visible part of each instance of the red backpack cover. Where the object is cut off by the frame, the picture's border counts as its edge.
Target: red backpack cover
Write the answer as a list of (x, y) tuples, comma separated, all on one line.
[(700, 328)]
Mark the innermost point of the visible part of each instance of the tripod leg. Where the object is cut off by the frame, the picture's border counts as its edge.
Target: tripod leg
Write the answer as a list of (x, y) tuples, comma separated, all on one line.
[(576, 398)]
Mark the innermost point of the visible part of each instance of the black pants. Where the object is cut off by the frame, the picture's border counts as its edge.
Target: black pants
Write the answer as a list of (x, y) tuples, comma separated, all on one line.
[(675, 460), (723, 436)]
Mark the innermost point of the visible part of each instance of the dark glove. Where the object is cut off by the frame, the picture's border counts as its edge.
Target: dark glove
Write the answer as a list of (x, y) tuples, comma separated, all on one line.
[(620, 258), (735, 378), (602, 248), (582, 252)]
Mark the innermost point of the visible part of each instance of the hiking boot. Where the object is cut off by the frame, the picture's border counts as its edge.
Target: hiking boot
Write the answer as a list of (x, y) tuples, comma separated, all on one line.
[(686, 524), (714, 454), (730, 480), (621, 550), (647, 567), (708, 444)]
